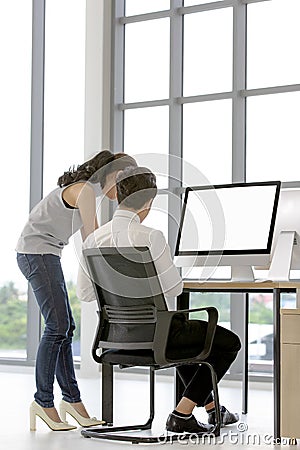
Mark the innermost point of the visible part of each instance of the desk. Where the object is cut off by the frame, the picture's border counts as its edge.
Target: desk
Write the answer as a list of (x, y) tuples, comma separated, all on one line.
[(277, 288)]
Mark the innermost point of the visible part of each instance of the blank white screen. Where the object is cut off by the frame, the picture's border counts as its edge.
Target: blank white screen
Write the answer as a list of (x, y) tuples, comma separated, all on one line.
[(235, 218)]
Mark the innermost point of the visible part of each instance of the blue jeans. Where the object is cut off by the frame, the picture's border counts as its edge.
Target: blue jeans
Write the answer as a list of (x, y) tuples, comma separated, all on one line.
[(54, 356)]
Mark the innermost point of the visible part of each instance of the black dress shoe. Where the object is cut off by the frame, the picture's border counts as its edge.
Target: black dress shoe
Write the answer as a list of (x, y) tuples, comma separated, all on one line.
[(227, 418), (178, 424)]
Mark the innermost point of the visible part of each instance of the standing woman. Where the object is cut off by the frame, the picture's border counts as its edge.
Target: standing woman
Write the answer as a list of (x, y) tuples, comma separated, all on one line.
[(68, 208)]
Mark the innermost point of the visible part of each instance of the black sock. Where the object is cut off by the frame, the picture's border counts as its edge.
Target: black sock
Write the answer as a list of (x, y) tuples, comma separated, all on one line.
[(179, 414)]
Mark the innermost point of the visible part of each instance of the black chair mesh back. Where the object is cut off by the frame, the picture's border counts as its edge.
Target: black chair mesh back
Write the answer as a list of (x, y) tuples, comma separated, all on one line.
[(128, 292)]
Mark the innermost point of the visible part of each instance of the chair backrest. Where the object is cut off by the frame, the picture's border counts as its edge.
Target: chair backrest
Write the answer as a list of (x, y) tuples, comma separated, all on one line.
[(128, 293)]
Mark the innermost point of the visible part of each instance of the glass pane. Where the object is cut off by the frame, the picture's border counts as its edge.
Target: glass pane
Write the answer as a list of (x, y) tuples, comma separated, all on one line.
[(198, 2), (146, 137), (134, 7), (208, 52), (15, 95), (220, 300), (260, 329), (273, 137), (273, 43), (147, 55), (261, 333), (158, 216), (207, 142), (64, 88), (64, 113)]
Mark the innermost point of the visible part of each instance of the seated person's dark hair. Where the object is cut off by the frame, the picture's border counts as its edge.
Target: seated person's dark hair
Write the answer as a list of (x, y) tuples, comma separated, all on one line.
[(135, 187)]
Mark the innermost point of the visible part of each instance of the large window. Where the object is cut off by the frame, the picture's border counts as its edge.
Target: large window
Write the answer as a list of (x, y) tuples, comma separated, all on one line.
[(214, 87), (64, 89), (273, 138), (64, 115), (41, 137), (15, 94)]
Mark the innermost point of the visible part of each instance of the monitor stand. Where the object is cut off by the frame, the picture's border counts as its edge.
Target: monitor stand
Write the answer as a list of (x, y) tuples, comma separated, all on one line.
[(242, 273), (282, 257)]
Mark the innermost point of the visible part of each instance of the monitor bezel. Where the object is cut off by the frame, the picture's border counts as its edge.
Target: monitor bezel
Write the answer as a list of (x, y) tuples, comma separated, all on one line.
[(264, 251)]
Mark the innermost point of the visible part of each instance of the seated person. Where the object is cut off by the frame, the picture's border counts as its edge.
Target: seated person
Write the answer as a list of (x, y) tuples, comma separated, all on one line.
[(136, 188)]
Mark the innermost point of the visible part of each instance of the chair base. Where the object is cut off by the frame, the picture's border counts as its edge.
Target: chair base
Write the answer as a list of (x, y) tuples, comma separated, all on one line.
[(111, 433)]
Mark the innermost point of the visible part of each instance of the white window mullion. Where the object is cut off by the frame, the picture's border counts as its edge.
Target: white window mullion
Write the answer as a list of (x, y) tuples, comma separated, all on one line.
[(239, 102)]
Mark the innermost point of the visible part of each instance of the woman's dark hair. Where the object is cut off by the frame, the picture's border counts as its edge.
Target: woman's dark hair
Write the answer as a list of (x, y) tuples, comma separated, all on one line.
[(97, 168), (135, 187)]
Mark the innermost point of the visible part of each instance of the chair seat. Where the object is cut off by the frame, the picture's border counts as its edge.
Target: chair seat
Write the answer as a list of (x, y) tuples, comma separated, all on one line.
[(140, 358), (129, 357)]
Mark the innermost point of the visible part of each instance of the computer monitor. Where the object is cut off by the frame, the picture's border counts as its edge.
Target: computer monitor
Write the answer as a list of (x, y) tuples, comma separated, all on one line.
[(227, 225), (285, 253)]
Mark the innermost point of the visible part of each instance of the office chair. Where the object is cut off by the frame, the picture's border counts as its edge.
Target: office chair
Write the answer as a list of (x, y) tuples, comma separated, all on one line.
[(133, 328)]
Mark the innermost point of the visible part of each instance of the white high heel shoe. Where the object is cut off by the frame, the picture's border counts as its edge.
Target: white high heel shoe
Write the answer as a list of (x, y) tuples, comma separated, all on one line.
[(37, 410), (66, 407)]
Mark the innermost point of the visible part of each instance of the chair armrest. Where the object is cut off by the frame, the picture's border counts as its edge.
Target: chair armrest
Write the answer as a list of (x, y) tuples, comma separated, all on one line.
[(164, 319)]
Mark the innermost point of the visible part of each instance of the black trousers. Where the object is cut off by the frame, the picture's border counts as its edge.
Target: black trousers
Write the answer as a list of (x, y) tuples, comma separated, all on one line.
[(186, 339)]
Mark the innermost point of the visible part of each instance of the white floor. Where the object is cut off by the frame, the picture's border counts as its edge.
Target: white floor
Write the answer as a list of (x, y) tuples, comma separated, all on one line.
[(131, 405)]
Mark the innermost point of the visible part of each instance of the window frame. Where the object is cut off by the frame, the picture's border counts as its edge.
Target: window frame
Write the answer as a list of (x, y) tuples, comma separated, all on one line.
[(176, 100)]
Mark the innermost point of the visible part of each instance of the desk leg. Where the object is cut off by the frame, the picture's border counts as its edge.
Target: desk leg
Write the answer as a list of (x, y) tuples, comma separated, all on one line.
[(276, 358), (245, 371), (183, 302), (107, 393)]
